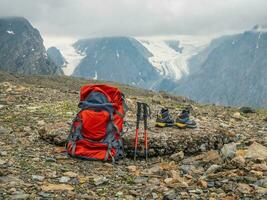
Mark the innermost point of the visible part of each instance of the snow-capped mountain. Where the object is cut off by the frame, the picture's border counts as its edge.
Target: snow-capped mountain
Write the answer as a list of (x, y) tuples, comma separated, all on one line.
[(121, 59), (170, 55), (228, 70), (232, 70), (72, 56), (65, 46)]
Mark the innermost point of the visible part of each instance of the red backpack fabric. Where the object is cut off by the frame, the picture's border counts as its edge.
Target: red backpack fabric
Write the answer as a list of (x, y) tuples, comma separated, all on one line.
[(96, 131)]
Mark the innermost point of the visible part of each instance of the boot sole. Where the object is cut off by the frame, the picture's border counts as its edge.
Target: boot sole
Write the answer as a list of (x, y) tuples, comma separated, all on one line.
[(162, 125), (182, 125)]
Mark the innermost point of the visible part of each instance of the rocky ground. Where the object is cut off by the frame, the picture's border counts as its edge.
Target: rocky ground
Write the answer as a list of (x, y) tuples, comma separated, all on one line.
[(224, 158)]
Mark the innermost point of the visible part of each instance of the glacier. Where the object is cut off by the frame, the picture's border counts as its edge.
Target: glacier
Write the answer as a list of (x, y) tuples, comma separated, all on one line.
[(71, 55), (170, 62)]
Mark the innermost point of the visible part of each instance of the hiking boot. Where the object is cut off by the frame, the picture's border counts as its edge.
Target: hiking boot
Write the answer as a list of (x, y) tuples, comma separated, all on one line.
[(164, 119), (183, 120)]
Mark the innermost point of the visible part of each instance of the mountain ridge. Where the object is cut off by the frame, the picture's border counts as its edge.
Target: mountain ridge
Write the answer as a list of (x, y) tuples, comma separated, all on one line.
[(22, 50), (233, 73), (115, 58)]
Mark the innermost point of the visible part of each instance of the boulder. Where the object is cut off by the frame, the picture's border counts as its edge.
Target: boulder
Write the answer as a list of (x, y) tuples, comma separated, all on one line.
[(256, 151), (247, 110)]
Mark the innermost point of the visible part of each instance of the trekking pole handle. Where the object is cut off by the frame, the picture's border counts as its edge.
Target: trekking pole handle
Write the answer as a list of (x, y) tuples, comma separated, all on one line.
[(145, 116), (146, 113), (138, 117), (139, 108), (138, 113)]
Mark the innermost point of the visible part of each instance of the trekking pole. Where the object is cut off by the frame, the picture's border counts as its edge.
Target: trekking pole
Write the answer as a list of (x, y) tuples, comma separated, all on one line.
[(138, 117), (145, 115)]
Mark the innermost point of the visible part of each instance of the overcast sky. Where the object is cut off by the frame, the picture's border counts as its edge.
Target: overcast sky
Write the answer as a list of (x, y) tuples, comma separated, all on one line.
[(84, 18)]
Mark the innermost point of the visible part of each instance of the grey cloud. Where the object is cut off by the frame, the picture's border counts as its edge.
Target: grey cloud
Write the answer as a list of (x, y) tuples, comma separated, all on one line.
[(83, 18)]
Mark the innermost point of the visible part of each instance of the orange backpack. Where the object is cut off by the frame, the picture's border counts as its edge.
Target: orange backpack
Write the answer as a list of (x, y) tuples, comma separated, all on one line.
[(96, 132)]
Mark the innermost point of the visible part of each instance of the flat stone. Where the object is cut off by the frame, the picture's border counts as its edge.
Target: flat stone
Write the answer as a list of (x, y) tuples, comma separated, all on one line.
[(212, 169), (100, 180), (64, 179), (229, 150), (38, 178), (223, 125), (3, 153), (108, 165), (19, 196), (197, 191), (85, 196), (168, 180), (132, 168), (45, 195), (70, 174), (177, 156), (56, 187), (140, 179)]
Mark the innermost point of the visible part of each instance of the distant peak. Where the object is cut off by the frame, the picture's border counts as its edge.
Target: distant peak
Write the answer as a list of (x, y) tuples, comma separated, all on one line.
[(53, 48), (10, 21), (14, 18), (259, 28)]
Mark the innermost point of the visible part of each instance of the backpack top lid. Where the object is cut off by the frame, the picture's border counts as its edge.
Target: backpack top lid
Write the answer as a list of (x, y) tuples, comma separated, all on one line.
[(113, 94)]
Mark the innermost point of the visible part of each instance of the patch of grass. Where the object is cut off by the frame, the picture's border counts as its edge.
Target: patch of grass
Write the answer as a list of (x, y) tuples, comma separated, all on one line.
[(129, 180), (62, 109)]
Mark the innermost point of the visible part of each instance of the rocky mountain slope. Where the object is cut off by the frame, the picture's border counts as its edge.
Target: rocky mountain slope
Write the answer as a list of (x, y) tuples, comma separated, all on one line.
[(167, 56), (231, 71), (224, 158), (22, 50), (120, 59), (55, 55)]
